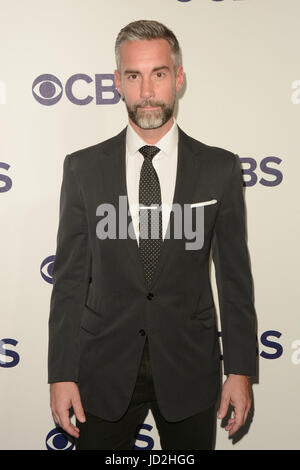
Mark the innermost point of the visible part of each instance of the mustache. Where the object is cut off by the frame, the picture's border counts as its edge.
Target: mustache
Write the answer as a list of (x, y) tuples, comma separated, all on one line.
[(152, 103)]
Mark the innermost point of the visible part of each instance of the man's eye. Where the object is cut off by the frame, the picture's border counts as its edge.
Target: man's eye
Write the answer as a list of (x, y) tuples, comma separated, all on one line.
[(133, 76), (160, 74)]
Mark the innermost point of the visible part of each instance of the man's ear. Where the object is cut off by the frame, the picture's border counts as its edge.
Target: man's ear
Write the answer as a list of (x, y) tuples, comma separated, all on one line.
[(118, 83), (179, 78)]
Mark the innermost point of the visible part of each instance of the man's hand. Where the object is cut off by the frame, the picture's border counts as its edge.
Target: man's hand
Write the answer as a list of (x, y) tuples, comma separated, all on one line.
[(63, 396), (236, 392)]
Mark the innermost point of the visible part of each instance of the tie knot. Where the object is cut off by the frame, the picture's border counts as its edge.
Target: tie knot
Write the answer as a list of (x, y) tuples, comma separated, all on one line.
[(149, 151)]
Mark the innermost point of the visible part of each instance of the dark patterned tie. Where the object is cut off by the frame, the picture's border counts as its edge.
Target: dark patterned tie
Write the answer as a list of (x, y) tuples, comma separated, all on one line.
[(150, 222)]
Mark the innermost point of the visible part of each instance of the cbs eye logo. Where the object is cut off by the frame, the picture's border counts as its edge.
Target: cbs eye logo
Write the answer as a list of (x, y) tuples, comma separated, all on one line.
[(58, 439), (47, 89), (47, 268)]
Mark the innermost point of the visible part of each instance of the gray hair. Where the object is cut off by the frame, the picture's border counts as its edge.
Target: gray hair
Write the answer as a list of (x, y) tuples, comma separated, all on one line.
[(148, 29)]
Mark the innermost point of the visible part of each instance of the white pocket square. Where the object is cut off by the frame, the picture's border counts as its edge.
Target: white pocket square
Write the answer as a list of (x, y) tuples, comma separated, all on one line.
[(204, 203)]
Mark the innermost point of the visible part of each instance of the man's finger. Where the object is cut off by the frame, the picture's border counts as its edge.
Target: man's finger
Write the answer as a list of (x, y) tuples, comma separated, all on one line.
[(230, 422), (223, 406), (238, 420), (66, 424), (246, 413)]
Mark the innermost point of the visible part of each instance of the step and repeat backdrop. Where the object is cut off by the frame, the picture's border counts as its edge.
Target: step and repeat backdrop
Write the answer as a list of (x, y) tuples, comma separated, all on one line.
[(57, 95)]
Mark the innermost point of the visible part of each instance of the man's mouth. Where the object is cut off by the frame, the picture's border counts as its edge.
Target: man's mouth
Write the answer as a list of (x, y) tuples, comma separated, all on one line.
[(149, 107)]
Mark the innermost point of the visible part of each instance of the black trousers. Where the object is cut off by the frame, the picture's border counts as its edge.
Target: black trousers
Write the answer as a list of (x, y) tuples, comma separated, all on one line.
[(196, 432)]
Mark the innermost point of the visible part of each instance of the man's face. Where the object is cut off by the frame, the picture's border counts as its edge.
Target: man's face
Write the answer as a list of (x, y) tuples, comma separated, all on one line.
[(147, 81)]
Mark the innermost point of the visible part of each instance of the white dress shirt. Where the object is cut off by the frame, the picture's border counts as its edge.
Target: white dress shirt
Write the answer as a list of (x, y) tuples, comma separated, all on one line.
[(165, 164)]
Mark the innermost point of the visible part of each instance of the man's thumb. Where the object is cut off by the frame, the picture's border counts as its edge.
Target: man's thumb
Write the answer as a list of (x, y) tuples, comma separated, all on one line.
[(78, 410)]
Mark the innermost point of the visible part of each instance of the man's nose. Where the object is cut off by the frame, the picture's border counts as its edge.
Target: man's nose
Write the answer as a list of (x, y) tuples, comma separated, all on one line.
[(147, 89)]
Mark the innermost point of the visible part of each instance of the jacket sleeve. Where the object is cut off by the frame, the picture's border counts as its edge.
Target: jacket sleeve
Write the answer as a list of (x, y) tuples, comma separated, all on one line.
[(70, 281), (233, 278)]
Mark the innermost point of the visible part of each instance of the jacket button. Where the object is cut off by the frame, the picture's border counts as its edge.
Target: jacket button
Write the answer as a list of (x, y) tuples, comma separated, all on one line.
[(150, 295), (142, 332)]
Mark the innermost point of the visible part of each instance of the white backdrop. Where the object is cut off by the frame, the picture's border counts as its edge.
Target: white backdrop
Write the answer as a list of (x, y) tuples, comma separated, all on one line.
[(242, 93)]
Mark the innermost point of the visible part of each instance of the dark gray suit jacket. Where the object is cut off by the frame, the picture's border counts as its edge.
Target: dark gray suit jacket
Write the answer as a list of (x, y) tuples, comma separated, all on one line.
[(101, 310)]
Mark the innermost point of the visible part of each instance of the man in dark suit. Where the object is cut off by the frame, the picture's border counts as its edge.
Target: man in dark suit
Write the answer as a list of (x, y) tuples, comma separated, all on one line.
[(132, 318)]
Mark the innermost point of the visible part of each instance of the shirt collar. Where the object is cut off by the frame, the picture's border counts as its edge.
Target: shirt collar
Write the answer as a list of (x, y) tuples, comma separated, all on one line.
[(167, 143)]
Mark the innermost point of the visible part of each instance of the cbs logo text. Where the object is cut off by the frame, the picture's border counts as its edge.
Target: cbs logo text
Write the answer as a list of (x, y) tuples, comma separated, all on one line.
[(80, 89)]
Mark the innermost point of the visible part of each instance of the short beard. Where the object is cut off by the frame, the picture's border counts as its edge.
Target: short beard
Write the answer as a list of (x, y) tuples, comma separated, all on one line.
[(150, 119)]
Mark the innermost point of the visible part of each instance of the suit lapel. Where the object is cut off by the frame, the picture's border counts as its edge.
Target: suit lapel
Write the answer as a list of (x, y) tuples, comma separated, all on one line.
[(186, 177)]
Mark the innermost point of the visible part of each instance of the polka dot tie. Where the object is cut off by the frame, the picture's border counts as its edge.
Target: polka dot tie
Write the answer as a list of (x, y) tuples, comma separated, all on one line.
[(150, 220)]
